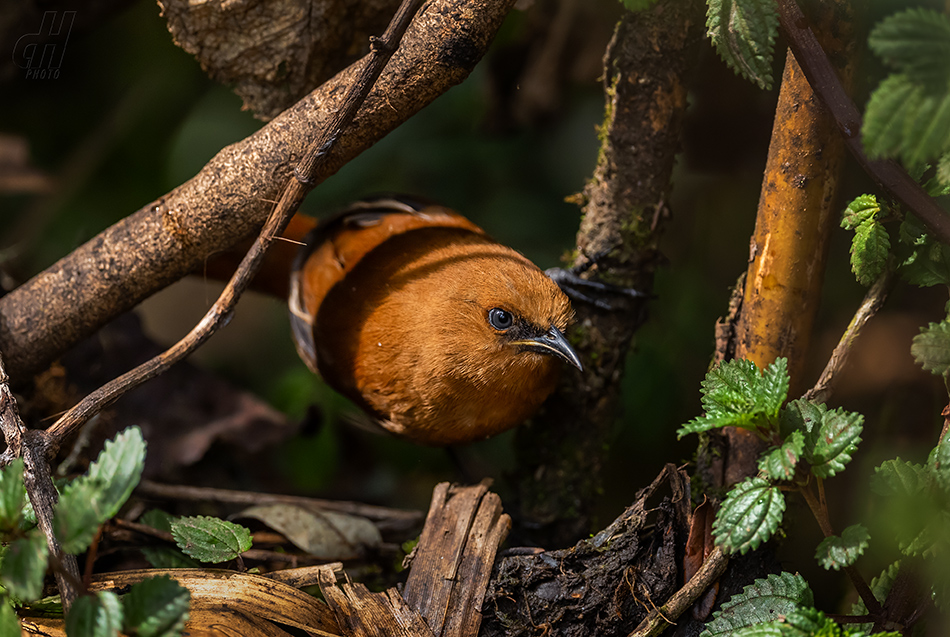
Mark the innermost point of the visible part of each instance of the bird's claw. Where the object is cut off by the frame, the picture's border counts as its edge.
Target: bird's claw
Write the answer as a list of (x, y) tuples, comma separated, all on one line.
[(592, 292)]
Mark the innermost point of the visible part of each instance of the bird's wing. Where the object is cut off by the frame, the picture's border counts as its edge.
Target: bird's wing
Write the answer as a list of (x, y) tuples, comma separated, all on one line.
[(336, 245)]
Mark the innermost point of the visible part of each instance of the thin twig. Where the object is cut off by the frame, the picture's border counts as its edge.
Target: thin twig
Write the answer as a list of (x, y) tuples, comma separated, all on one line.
[(393, 517), (860, 585), (873, 301), (43, 497), (825, 83), (659, 619), (308, 174), (39, 486)]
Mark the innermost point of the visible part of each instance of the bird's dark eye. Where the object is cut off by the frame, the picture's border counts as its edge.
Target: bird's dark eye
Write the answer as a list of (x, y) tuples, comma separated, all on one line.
[(500, 319)]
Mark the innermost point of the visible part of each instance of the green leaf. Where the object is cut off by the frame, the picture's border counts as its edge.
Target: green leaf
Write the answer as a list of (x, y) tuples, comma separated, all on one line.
[(743, 32), (861, 210), (927, 133), (780, 463), (880, 587), (736, 394), (939, 464), (837, 551), (115, 473), (893, 103), (76, 517), (9, 622), (12, 495), (898, 478), (749, 515), (869, 249), (762, 601), (210, 539), (931, 348), (829, 447), (98, 615), (916, 42), (800, 415), (156, 607), (24, 565), (809, 621)]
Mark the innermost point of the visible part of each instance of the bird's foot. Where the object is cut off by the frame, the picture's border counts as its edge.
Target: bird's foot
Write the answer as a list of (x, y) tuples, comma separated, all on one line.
[(596, 293)]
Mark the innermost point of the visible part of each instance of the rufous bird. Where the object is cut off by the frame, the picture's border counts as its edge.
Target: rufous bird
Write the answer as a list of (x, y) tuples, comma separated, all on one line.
[(441, 334)]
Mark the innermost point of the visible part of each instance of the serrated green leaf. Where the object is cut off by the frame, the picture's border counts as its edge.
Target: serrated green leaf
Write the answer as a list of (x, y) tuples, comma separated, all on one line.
[(829, 447), (76, 517), (780, 463), (931, 348), (156, 607), (114, 474), (870, 247), (898, 478), (749, 515), (939, 464), (210, 539), (926, 132), (24, 565), (9, 622), (773, 390), (98, 615), (12, 495), (880, 587), (836, 551), (743, 33), (916, 42), (800, 415), (805, 622), (862, 209), (893, 103), (736, 394), (927, 262), (762, 601)]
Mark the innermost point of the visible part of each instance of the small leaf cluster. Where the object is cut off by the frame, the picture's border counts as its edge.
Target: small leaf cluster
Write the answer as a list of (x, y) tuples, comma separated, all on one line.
[(738, 394), (922, 260), (779, 605), (810, 443), (152, 608), (908, 115)]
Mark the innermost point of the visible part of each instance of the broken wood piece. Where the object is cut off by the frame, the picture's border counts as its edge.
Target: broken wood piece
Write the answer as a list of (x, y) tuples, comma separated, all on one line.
[(454, 558), (362, 613)]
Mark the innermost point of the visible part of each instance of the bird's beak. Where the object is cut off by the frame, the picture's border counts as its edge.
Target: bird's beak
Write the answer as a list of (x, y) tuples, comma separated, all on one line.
[(553, 342)]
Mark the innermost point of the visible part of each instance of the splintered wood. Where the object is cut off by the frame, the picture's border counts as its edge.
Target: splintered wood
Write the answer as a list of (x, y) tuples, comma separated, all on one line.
[(450, 571)]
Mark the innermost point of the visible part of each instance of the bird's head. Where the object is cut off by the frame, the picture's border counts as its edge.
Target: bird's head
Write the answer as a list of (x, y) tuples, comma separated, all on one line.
[(511, 318)]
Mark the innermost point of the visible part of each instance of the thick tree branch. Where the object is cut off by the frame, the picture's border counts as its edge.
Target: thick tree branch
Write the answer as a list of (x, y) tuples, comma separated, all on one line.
[(825, 83), (312, 170), (230, 197)]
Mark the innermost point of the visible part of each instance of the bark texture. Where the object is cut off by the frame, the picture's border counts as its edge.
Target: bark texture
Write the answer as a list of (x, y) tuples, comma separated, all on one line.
[(561, 453)]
